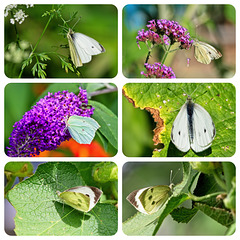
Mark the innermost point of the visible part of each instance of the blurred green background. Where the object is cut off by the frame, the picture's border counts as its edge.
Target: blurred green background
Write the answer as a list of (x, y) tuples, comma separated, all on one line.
[(96, 21), (20, 97), (137, 175), (214, 24)]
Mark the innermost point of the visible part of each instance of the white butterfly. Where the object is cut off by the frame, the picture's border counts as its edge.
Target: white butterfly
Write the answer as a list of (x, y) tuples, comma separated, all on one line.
[(193, 128), (205, 53), (82, 48)]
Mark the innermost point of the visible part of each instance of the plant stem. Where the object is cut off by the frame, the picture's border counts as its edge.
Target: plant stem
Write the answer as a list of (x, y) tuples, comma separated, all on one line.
[(40, 38), (148, 56), (17, 35), (165, 54)]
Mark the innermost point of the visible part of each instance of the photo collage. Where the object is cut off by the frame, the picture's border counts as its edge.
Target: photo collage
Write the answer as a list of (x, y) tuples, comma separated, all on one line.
[(101, 104)]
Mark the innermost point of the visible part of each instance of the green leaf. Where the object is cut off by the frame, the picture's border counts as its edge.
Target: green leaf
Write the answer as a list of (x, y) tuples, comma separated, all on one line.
[(40, 211), (164, 99), (220, 215), (183, 215), (108, 122)]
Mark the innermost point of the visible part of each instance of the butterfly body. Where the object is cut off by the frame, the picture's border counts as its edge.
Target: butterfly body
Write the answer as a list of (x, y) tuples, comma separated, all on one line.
[(193, 128), (82, 48), (204, 52)]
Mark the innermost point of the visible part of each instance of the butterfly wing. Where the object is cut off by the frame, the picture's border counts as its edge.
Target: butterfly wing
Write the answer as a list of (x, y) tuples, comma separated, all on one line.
[(73, 52), (86, 47), (203, 129), (82, 129), (82, 198), (133, 198), (179, 134), (78, 201), (201, 53), (153, 198), (82, 48), (204, 52)]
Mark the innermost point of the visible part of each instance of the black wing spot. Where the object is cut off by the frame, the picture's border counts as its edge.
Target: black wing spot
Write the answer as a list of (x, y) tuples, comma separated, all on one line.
[(150, 197), (179, 133), (153, 202), (205, 130)]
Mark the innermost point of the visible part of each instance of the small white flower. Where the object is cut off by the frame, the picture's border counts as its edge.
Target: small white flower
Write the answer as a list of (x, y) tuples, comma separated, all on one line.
[(12, 21), (8, 8), (20, 16)]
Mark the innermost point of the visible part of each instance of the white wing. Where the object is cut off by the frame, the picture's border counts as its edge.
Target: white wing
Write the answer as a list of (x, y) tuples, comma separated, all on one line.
[(203, 129), (179, 134), (204, 52), (86, 46)]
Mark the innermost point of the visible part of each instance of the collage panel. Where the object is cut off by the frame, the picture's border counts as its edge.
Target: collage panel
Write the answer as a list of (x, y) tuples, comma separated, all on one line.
[(60, 41), (179, 41), (61, 120), (199, 198), (179, 120), (61, 198)]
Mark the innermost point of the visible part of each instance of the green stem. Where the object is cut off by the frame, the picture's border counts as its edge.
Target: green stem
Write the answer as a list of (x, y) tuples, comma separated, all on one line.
[(36, 45), (165, 54), (17, 34), (201, 198), (114, 190), (148, 56)]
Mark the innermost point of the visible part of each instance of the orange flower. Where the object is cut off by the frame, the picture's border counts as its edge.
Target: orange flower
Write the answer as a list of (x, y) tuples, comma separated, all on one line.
[(78, 150)]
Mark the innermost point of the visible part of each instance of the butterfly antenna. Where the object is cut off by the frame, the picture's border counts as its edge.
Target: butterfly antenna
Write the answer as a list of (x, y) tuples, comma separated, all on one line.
[(76, 23), (175, 93), (172, 177)]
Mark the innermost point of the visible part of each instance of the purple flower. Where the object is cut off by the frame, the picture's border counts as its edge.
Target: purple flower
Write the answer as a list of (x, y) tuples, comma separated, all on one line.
[(167, 31), (158, 70), (44, 126), (151, 36)]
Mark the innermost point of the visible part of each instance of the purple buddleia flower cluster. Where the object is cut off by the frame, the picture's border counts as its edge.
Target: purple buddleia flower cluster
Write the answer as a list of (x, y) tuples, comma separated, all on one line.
[(169, 31), (44, 126), (158, 70)]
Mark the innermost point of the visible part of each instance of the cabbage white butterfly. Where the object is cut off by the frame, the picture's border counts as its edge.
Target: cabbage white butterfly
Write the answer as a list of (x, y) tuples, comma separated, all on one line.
[(82, 198), (193, 128), (205, 53), (150, 199), (82, 129), (82, 48)]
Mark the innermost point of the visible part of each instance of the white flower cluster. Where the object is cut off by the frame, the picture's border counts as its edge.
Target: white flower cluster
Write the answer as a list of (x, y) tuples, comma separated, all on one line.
[(19, 15), (17, 54)]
